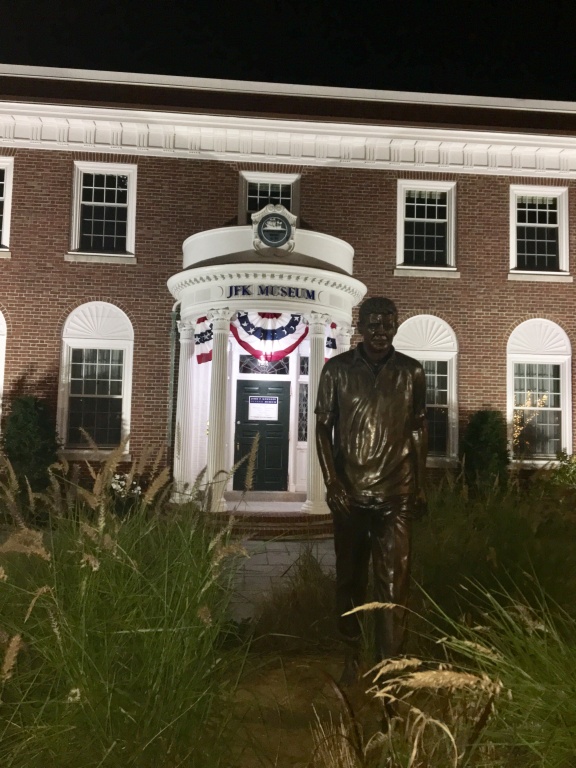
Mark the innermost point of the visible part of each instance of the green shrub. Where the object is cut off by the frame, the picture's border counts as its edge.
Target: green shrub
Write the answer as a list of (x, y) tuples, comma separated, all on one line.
[(484, 450), (493, 539), (29, 440)]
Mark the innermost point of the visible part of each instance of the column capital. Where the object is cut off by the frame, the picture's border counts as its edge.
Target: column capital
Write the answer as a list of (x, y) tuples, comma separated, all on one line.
[(344, 333), (220, 318), (186, 329), (317, 322), (345, 329)]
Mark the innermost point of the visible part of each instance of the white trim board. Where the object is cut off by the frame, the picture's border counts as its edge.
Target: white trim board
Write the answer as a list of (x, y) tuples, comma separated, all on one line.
[(285, 89)]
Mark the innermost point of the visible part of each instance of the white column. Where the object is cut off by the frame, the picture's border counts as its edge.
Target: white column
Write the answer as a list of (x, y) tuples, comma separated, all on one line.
[(343, 337), (184, 411), (216, 464), (315, 503)]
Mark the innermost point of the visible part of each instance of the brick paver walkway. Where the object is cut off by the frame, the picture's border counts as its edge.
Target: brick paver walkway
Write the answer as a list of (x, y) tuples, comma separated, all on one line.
[(268, 564)]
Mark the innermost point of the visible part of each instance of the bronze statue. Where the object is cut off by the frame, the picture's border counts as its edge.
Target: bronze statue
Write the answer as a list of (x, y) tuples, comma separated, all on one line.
[(371, 438)]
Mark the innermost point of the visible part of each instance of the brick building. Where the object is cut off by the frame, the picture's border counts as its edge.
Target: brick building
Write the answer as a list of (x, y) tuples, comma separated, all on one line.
[(138, 295)]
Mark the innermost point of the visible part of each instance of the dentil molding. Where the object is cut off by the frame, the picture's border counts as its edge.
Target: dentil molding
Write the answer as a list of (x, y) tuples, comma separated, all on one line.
[(290, 142)]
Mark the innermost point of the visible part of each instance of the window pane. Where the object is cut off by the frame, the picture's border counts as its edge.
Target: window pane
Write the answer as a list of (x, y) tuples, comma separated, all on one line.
[(436, 405), (302, 412), (103, 213), (95, 402), (261, 194), (251, 364), (537, 421), (437, 430), (537, 245), (426, 228)]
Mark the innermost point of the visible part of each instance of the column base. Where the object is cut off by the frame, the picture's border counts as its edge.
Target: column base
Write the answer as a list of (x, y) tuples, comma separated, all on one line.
[(311, 507), (218, 502), (219, 505)]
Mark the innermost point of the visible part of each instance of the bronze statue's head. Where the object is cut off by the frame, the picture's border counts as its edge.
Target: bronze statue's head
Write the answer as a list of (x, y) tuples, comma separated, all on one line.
[(377, 305), (377, 323)]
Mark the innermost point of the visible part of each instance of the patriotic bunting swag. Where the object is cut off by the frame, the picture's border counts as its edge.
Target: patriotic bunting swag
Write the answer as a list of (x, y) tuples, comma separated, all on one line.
[(203, 340), (265, 335), (268, 336)]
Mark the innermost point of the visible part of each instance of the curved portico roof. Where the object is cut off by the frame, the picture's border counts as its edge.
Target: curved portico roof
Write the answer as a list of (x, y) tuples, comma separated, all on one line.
[(222, 270)]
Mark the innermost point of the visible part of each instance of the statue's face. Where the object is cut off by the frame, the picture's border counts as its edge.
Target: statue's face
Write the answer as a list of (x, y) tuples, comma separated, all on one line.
[(378, 331)]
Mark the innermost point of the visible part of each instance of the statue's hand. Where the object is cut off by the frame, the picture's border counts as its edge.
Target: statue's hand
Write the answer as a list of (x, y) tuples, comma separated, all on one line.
[(420, 506), (337, 497)]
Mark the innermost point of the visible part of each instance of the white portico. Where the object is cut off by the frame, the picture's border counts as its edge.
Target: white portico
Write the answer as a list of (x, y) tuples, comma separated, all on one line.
[(241, 302)]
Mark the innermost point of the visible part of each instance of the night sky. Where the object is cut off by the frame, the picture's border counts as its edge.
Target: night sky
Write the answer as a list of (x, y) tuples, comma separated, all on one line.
[(493, 48)]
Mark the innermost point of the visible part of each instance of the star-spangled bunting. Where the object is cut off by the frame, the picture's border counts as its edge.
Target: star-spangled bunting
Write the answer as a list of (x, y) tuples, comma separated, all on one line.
[(265, 335)]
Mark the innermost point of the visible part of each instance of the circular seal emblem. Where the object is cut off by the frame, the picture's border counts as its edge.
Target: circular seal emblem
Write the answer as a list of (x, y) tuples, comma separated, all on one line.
[(274, 230)]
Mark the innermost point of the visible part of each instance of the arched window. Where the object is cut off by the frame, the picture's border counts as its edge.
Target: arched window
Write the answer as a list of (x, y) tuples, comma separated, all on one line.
[(433, 342), (539, 390), (95, 377)]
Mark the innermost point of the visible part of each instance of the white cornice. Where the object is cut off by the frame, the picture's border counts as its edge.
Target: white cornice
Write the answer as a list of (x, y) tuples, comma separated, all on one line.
[(272, 273), (290, 142), (283, 89)]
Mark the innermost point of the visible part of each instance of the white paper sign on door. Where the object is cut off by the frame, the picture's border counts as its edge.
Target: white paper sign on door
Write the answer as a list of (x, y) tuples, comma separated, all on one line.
[(262, 408)]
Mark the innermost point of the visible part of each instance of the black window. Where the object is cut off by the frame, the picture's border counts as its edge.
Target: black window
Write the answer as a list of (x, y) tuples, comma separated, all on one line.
[(437, 405), (537, 233), (103, 213), (263, 193), (426, 228), (95, 398)]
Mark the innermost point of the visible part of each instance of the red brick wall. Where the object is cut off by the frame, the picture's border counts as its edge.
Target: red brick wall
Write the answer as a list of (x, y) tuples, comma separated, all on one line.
[(177, 198), (483, 306)]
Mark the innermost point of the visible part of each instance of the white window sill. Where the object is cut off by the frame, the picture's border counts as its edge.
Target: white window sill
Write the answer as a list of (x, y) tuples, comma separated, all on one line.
[(541, 277), (441, 462), (79, 454), (443, 272), (5, 253), (534, 463), (100, 258)]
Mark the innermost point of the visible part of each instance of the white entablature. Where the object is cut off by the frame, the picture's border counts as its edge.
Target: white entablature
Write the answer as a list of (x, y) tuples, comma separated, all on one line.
[(285, 142)]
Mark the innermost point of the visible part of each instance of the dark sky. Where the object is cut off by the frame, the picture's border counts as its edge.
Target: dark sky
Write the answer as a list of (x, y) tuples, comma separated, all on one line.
[(492, 48)]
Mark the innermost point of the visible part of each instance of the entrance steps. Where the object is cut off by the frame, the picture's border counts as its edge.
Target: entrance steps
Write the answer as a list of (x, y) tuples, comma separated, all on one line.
[(266, 515)]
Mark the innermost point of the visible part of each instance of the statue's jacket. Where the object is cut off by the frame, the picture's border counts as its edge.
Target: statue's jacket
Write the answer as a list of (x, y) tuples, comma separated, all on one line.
[(375, 416)]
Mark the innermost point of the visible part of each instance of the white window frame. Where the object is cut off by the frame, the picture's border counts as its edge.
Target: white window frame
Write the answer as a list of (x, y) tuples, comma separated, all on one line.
[(115, 169), (541, 341), (256, 177), (7, 165), (3, 330), (95, 325), (411, 185), (427, 337), (561, 194)]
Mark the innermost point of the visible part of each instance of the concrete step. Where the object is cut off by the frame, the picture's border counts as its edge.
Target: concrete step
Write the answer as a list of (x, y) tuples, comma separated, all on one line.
[(261, 496)]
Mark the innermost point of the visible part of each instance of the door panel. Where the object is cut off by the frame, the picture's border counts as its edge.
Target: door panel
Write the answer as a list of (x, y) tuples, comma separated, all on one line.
[(268, 402)]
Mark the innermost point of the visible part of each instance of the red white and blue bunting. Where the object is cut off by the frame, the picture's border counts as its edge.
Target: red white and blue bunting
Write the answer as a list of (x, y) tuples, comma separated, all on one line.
[(269, 336), (265, 335), (203, 337), (330, 341)]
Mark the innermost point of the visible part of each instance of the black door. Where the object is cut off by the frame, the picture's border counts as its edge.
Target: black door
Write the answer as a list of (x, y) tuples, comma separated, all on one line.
[(263, 408)]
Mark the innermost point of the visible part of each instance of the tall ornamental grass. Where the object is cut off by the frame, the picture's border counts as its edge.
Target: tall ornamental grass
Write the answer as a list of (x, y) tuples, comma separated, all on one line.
[(111, 631), (503, 694), (531, 649)]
